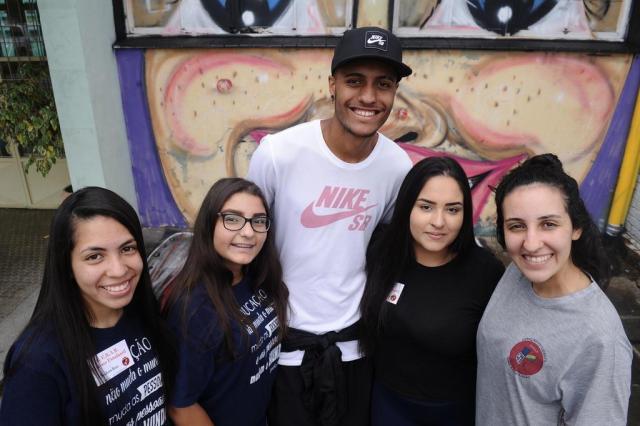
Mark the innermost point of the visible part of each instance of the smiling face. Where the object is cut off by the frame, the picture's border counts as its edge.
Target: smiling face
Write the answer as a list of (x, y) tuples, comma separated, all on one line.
[(436, 219), (538, 235), (106, 265), (239, 248), (364, 91)]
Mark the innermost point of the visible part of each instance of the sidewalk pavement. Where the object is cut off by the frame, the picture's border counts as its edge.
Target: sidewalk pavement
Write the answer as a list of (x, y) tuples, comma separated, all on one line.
[(23, 244)]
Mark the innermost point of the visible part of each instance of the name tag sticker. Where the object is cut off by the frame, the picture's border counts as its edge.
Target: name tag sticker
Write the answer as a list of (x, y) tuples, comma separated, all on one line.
[(113, 361), (394, 294)]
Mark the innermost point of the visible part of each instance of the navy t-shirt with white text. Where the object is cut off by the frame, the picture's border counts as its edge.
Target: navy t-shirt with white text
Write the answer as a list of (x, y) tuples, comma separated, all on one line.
[(41, 391), (233, 392)]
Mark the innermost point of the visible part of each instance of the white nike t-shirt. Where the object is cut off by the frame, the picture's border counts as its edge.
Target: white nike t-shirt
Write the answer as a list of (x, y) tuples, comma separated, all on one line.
[(325, 211)]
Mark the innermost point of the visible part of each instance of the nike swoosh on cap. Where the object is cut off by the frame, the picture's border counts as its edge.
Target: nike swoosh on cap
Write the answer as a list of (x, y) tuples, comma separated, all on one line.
[(309, 219)]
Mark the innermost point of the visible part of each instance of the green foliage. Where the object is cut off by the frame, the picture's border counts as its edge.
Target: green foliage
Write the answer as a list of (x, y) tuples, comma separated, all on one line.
[(28, 116)]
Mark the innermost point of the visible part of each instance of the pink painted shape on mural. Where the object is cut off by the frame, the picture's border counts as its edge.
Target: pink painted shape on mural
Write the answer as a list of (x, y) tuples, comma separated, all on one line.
[(257, 135), (485, 136), (575, 74), (173, 99), (481, 192), (583, 81)]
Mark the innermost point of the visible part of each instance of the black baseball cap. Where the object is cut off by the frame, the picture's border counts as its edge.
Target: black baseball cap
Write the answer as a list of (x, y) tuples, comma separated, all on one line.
[(370, 43)]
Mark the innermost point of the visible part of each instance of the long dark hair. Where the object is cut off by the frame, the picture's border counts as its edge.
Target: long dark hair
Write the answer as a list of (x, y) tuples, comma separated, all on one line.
[(587, 252), (393, 251), (60, 303), (204, 265)]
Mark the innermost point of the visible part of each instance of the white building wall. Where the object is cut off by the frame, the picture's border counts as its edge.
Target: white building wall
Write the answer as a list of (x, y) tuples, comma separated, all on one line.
[(78, 36)]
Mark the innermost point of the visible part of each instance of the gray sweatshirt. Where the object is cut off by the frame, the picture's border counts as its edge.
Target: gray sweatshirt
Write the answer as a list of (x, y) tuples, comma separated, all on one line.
[(551, 361)]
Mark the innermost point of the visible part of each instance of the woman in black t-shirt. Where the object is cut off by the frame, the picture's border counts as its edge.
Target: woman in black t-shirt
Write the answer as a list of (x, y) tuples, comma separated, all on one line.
[(427, 286)]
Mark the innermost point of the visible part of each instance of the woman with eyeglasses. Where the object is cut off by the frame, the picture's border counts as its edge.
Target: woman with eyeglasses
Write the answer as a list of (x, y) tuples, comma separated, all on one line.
[(227, 308)]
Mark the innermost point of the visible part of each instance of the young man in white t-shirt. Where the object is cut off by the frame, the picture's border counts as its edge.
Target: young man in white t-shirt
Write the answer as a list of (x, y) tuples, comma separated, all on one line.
[(329, 184)]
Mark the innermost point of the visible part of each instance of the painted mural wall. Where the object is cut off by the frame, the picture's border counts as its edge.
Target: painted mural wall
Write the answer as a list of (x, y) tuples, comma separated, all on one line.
[(193, 17), (543, 19), (557, 19), (194, 116)]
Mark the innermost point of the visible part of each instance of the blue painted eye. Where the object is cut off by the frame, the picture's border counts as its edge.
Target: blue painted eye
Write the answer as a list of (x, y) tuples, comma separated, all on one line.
[(508, 16), (241, 15)]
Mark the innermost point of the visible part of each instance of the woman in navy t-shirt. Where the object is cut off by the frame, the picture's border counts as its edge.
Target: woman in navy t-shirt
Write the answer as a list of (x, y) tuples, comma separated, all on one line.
[(226, 307), (94, 351)]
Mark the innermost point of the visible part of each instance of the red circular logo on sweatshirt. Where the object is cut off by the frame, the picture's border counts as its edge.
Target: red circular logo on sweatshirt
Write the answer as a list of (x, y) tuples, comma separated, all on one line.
[(526, 357)]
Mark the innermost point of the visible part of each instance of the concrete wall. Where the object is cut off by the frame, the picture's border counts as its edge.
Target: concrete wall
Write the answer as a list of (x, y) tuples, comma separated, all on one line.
[(78, 36)]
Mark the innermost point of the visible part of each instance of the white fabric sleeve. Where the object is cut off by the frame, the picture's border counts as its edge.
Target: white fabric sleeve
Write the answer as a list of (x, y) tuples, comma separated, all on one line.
[(596, 389), (262, 170)]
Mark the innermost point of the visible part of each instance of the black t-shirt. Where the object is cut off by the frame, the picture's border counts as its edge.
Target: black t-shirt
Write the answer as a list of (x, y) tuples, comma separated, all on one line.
[(427, 348), (232, 392), (42, 392)]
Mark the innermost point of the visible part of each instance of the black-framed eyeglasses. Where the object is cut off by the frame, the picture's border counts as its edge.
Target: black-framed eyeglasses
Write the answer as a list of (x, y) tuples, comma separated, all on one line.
[(235, 222)]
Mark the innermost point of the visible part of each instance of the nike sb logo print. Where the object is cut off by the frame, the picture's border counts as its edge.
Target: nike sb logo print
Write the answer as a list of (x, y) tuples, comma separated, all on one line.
[(375, 40), (342, 203)]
